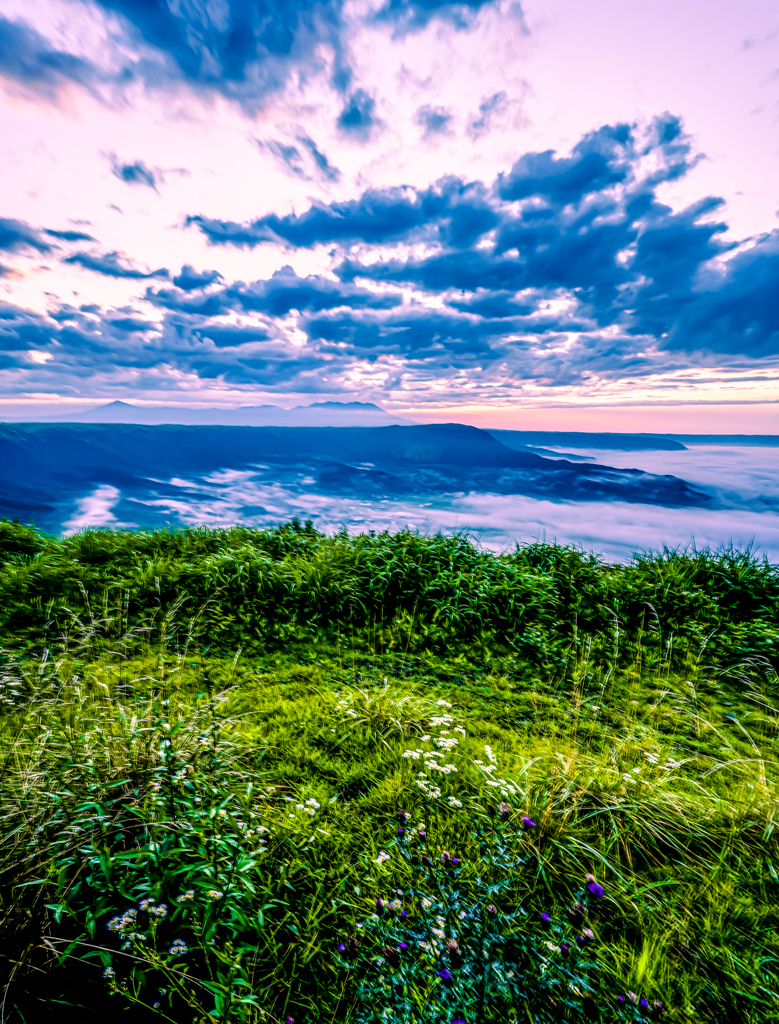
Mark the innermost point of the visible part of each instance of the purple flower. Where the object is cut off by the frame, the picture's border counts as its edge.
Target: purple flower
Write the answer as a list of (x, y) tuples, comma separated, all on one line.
[(596, 890), (459, 1020), (455, 861), (546, 919), (445, 974), (643, 1004), (402, 946), (621, 1000), (289, 1020), (403, 913), (401, 831), (341, 947), (527, 823)]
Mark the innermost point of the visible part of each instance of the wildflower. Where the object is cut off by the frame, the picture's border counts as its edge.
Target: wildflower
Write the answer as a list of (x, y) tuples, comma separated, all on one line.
[(402, 946), (455, 956), (658, 1009), (160, 911), (289, 1020), (353, 945), (383, 856), (546, 919), (222, 812), (587, 936), (341, 947), (504, 810), (214, 894), (643, 1004), (594, 889), (565, 949), (391, 955), (426, 903), (401, 831), (109, 972), (445, 975), (577, 913), (188, 895), (620, 1001), (632, 997), (178, 948), (403, 816), (492, 910), (459, 1020), (527, 823), (379, 904), (454, 802), (146, 903)]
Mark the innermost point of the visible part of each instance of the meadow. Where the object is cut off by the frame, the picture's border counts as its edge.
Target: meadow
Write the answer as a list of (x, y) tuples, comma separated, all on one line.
[(278, 776)]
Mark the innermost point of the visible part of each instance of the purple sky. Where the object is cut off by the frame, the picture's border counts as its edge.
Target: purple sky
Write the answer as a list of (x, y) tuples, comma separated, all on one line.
[(557, 214)]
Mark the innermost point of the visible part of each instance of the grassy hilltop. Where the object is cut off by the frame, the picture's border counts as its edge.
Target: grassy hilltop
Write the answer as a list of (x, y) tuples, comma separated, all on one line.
[(219, 748)]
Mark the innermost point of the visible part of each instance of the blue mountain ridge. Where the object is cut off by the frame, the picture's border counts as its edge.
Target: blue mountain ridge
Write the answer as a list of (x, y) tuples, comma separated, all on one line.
[(46, 468)]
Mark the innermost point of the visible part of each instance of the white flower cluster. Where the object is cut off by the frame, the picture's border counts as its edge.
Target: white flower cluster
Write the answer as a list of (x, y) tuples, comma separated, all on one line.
[(122, 923), (159, 911), (446, 742), (185, 897), (179, 948), (507, 789), (383, 856)]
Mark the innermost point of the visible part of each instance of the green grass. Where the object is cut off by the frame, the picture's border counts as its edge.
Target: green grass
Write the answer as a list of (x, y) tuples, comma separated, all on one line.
[(282, 665)]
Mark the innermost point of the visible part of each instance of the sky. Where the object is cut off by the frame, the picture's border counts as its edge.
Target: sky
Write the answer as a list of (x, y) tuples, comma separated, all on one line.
[(550, 215)]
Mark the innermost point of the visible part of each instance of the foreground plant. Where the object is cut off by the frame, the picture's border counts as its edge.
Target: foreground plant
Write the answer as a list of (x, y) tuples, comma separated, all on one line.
[(453, 945)]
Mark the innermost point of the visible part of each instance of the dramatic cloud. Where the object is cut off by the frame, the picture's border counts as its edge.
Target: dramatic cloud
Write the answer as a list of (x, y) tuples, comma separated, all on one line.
[(564, 268)]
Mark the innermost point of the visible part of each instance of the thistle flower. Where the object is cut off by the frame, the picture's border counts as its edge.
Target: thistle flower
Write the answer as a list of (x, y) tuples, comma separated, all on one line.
[(289, 1020), (492, 909), (577, 913), (455, 955), (391, 955), (594, 888), (504, 810)]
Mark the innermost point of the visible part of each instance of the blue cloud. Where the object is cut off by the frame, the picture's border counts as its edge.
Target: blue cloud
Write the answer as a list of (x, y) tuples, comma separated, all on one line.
[(135, 174), (453, 211), (410, 15), (16, 236), (189, 279), (29, 59), (110, 264), (433, 120), (490, 106), (68, 236), (358, 115), (244, 49)]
